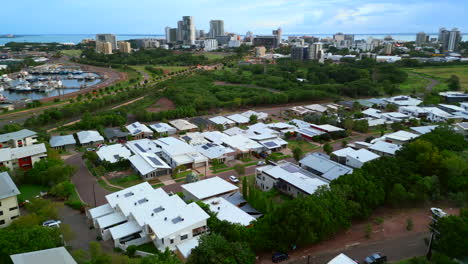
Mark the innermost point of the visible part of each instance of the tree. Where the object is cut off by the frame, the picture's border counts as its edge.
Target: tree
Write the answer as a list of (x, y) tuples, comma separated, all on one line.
[(453, 231), (327, 148), (43, 208), (298, 153), (215, 249), (253, 119), (454, 83), (239, 169), (63, 190)]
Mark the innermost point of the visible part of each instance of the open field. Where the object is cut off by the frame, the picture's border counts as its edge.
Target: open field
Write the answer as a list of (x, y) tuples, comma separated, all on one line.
[(444, 72), (414, 85), (29, 191), (71, 53), (166, 69)]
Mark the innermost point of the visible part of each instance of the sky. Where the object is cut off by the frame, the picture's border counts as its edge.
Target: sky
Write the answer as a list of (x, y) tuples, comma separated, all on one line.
[(240, 16)]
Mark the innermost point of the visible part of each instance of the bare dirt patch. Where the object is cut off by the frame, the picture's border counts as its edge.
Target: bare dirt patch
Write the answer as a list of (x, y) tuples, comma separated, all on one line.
[(162, 104)]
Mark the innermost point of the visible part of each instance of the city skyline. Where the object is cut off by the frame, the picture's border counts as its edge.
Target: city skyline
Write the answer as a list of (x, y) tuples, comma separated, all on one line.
[(294, 17)]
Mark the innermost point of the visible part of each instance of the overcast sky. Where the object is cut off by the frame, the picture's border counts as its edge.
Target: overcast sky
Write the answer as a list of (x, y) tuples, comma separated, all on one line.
[(259, 16)]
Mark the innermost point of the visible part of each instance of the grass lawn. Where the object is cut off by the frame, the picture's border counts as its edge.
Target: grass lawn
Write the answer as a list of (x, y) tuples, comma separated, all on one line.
[(414, 84), (71, 53), (126, 181), (304, 145), (444, 72), (148, 247), (213, 56), (182, 174), (29, 191), (165, 68), (107, 187)]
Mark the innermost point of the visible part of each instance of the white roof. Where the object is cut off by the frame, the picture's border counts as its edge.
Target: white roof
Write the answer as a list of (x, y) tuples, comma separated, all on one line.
[(215, 136), (214, 151), (342, 259), (7, 186), (179, 151), (208, 188), (273, 143), (260, 115), (412, 109), (110, 219), (137, 128), (194, 138), (385, 147), (296, 176), (399, 135), (162, 128), (240, 119), (89, 136), (453, 107), (7, 154), (18, 135), (423, 129), (234, 131), (165, 214), (221, 120), (242, 143), (145, 159), (324, 167), (403, 100), (58, 141), (328, 128), (300, 110), (363, 155), (227, 211), (316, 108), (186, 247), (372, 112), (113, 153), (300, 123), (99, 211), (343, 152), (124, 229), (182, 124), (143, 146), (57, 255), (438, 112)]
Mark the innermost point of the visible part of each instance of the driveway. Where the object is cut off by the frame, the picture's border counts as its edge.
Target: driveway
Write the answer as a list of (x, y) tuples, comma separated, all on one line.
[(86, 184)]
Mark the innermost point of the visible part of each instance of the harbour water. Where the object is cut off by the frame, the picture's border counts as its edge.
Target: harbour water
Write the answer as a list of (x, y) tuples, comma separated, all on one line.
[(64, 38)]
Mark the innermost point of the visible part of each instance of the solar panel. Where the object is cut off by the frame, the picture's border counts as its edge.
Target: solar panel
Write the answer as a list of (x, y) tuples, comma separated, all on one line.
[(134, 125), (157, 125), (116, 157), (177, 220), (144, 200), (270, 144), (158, 209), (186, 138), (205, 147), (155, 161), (139, 147), (128, 194), (289, 168)]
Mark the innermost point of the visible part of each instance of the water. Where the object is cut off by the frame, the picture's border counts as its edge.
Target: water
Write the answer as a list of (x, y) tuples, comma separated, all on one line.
[(71, 85), (64, 38)]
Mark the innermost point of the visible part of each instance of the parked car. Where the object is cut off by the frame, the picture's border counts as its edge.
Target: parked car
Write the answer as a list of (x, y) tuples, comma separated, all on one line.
[(233, 179), (90, 149), (376, 258), (278, 257), (52, 223), (260, 163)]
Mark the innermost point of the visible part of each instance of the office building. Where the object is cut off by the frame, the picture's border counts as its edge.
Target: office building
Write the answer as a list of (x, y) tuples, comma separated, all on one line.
[(338, 37), (167, 31), (125, 47), (260, 51), (209, 44), (8, 201), (349, 37), (188, 30), (104, 47), (180, 28), (298, 53), (147, 43), (269, 42), (279, 35), (454, 39), (216, 28), (107, 38), (315, 51), (173, 35), (421, 38)]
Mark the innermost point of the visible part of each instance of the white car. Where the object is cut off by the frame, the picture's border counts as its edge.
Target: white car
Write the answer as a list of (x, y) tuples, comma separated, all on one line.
[(260, 163), (52, 223), (233, 179)]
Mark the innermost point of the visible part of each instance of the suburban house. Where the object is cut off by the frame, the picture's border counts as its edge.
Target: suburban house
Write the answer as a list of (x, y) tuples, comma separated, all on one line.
[(207, 189), (113, 153), (342, 259), (226, 211), (383, 148), (216, 152), (358, 158), (372, 112), (421, 130), (288, 178), (177, 153), (298, 111), (316, 108), (9, 209), (89, 137), (305, 129), (242, 144), (183, 125), (62, 142), (415, 111), (464, 105), (215, 137), (341, 154), (57, 255), (114, 134), (461, 128), (146, 161), (21, 138), (400, 137), (451, 108), (202, 123), (141, 214), (320, 164), (435, 114), (194, 138), (221, 120), (138, 130), (282, 128), (261, 116), (454, 97), (163, 129), (24, 157), (238, 119), (403, 100)]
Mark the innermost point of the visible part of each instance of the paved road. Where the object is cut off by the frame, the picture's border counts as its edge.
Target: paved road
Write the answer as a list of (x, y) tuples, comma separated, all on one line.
[(86, 183), (395, 249)]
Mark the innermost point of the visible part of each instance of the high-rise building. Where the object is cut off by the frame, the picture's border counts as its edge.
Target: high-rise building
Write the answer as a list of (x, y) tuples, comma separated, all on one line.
[(260, 51), (449, 39), (188, 30), (279, 35), (180, 29), (421, 38), (315, 51), (388, 49), (209, 44), (167, 30), (173, 35), (147, 43), (107, 38), (103, 47), (268, 42), (216, 28), (298, 53), (125, 47), (339, 37), (349, 37)]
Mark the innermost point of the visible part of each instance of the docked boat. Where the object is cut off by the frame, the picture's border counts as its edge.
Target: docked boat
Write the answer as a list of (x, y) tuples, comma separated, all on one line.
[(90, 77), (24, 87), (70, 76)]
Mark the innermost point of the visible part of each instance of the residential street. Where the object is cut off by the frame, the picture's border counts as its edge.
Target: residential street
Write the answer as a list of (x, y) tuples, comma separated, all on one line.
[(86, 184)]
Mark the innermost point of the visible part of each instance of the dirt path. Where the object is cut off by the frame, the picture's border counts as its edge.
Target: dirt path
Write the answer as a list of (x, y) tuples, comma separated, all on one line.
[(432, 83)]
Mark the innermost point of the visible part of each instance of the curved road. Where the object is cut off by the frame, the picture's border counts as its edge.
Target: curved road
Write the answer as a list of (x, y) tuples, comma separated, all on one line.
[(432, 82)]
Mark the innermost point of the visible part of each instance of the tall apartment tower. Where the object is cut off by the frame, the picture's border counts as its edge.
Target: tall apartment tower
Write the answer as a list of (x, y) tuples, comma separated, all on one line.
[(107, 38), (454, 39), (279, 35), (173, 35), (167, 30), (315, 51), (103, 47), (125, 47), (443, 38), (216, 28), (180, 29), (421, 38), (188, 32)]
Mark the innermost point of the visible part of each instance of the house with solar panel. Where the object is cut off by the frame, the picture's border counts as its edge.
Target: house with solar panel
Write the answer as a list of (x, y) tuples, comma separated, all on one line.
[(138, 131), (178, 153), (288, 178), (163, 129), (142, 214), (146, 160), (115, 134), (213, 151), (321, 165)]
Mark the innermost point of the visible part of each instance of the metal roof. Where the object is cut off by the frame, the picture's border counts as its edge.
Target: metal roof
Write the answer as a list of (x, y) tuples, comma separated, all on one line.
[(21, 134), (58, 141), (7, 186), (208, 188), (50, 256), (326, 168)]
